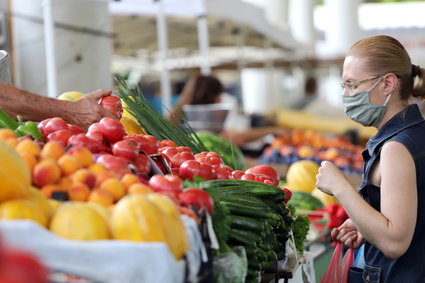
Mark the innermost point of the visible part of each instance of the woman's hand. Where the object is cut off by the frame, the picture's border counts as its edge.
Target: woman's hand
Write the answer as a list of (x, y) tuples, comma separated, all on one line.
[(330, 178), (348, 234)]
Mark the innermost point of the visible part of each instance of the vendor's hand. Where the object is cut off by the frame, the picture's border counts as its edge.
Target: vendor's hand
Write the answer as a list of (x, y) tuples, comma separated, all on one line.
[(330, 178), (348, 234), (86, 110)]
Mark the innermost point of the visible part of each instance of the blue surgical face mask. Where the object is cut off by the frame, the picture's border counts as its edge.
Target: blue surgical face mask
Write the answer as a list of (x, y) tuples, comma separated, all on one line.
[(359, 109)]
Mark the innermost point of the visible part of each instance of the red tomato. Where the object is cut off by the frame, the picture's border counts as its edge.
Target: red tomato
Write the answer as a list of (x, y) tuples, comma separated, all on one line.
[(136, 142), (142, 164), (165, 143), (178, 159), (20, 266), (237, 174), (61, 137), (265, 170), (169, 151), (228, 169), (126, 148), (192, 168), (184, 148), (210, 158), (42, 126), (76, 130), (112, 104), (94, 127), (83, 140), (221, 173), (117, 165), (170, 183), (248, 177), (147, 143), (95, 135), (197, 197), (288, 194), (111, 129), (55, 124)]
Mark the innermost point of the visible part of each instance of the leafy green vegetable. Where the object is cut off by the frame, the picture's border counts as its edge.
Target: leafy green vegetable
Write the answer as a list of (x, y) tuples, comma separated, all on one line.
[(300, 229)]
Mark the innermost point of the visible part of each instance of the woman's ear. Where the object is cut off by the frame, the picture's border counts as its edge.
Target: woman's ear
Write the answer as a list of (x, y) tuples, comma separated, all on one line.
[(390, 83)]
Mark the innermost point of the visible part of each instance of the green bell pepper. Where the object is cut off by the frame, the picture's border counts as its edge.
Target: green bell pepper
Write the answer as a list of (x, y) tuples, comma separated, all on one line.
[(7, 122), (29, 128)]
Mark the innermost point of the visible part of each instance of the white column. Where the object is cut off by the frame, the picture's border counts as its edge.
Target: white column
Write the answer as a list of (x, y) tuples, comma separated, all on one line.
[(342, 26), (277, 13), (49, 45), (161, 26), (83, 45), (301, 21), (204, 44)]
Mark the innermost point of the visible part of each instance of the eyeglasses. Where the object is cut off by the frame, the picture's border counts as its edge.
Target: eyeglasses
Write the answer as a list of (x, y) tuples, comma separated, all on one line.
[(353, 85)]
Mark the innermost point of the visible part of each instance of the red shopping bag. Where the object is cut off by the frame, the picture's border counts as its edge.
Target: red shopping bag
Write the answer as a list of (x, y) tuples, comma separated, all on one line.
[(338, 266)]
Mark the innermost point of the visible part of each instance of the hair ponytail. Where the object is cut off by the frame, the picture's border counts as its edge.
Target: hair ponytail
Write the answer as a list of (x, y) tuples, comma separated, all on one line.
[(418, 75)]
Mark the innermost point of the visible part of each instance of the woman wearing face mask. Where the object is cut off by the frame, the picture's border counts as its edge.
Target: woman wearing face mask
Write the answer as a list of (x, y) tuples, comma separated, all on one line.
[(387, 212)]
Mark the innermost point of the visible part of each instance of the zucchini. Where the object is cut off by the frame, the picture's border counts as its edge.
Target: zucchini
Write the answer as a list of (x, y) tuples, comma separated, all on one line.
[(246, 223)]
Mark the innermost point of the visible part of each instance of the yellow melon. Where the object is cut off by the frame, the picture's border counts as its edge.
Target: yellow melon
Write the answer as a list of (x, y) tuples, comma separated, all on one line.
[(79, 221), (71, 95), (22, 209), (15, 174), (301, 176)]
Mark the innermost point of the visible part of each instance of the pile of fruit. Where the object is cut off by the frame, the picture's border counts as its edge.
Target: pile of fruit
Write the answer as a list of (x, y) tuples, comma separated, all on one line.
[(309, 145), (117, 182)]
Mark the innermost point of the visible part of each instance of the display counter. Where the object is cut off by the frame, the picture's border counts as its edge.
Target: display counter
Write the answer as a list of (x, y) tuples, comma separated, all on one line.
[(308, 121)]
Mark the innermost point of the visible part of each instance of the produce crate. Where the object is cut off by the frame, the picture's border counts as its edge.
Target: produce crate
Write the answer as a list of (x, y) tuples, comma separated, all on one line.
[(109, 261)]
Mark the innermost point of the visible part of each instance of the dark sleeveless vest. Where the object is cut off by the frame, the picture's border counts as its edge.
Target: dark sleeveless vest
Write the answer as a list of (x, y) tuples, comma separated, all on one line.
[(407, 128)]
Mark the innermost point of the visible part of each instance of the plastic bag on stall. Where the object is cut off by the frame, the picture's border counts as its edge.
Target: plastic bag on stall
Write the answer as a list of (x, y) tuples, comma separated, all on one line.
[(231, 267), (338, 266)]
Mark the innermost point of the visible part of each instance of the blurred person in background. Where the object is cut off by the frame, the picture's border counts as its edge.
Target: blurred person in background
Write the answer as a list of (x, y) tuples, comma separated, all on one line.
[(200, 90), (386, 214), (310, 94)]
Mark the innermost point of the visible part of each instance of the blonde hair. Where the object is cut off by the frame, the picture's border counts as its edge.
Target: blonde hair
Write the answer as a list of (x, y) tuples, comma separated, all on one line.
[(385, 54)]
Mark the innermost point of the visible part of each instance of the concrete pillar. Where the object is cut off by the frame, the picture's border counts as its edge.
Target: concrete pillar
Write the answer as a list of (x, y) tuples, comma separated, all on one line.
[(301, 22), (277, 13), (343, 25), (83, 45)]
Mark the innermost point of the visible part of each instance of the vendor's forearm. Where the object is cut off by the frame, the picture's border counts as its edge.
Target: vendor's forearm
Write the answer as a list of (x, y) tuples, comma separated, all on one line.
[(28, 105)]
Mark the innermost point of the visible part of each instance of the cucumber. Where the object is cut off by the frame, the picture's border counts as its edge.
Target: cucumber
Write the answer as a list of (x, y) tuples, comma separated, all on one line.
[(237, 209), (252, 276), (252, 236), (243, 238), (243, 198), (211, 184), (272, 193), (246, 223)]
